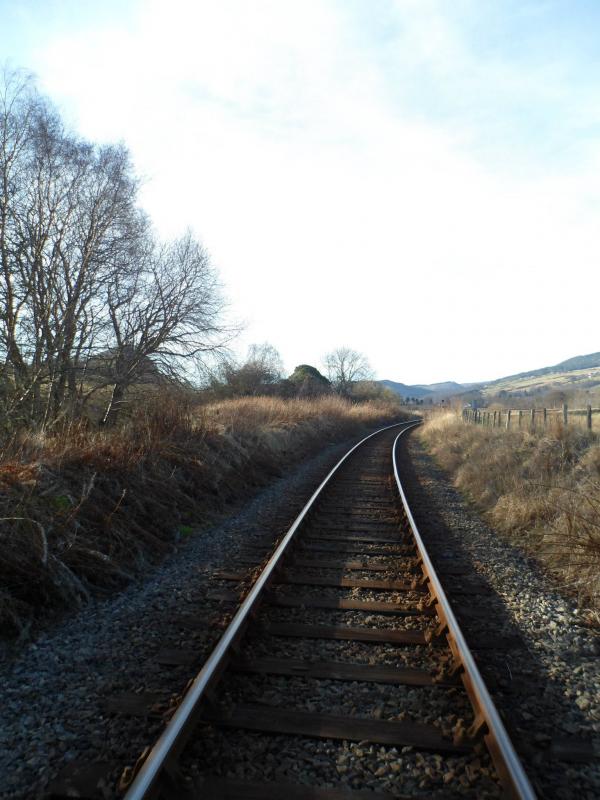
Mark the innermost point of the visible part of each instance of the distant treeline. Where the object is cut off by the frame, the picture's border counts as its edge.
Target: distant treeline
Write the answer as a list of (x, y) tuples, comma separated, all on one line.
[(262, 373)]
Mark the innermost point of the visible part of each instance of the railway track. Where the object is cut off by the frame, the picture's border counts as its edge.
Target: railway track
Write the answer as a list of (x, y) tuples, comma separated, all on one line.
[(343, 673)]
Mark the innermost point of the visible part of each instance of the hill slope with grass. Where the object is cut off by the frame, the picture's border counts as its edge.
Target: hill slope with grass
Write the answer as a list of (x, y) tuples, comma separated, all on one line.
[(580, 373)]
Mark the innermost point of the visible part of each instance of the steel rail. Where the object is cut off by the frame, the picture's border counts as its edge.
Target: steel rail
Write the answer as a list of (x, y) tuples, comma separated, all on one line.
[(158, 756), (501, 748)]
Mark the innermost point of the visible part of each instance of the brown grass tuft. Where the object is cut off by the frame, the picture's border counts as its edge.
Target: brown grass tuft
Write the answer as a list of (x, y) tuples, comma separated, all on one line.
[(541, 489)]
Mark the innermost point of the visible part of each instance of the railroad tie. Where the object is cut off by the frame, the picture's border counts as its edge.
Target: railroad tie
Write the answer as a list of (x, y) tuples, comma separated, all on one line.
[(341, 671), (332, 726), (344, 632)]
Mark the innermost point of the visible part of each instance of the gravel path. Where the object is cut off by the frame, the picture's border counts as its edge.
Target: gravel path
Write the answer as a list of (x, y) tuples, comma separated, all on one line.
[(55, 689), (548, 685)]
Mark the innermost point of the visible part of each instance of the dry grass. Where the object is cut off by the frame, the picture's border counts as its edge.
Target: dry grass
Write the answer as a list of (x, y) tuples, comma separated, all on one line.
[(540, 489), (83, 512), (249, 414)]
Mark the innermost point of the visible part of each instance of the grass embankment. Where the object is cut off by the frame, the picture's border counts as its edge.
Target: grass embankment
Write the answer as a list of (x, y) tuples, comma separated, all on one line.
[(85, 511), (540, 489)]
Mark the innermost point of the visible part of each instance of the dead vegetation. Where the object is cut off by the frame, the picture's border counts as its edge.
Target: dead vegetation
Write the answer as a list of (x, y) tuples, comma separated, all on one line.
[(541, 489), (84, 511)]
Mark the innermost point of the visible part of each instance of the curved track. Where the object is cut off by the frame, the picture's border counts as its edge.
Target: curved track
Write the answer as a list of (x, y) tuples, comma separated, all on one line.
[(343, 666)]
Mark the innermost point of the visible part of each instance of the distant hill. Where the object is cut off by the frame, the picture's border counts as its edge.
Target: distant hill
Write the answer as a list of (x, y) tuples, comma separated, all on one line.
[(404, 390), (580, 362), (446, 388), (579, 372), (435, 391), (574, 374), (576, 363)]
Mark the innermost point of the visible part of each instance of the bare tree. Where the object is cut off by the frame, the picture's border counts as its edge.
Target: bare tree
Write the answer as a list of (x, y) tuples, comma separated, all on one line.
[(266, 360), (166, 317), (67, 223), (346, 366), (18, 106), (260, 373), (88, 297)]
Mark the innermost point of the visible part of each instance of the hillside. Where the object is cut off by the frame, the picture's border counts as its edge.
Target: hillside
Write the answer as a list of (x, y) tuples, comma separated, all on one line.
[(575, 364), (580, 373), (404, 390), (580, 380), (446, 388), (434, 391)]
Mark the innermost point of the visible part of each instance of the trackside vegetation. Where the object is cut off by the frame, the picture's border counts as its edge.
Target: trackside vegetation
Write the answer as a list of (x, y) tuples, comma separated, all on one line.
[(539, 488), (84, 513)]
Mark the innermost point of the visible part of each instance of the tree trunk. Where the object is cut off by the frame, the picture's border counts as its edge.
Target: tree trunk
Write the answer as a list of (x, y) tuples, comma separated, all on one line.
[(112, 411)]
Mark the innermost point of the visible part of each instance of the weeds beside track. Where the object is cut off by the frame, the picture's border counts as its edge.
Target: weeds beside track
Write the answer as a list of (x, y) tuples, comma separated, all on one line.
[(539, 488), (83, 511)]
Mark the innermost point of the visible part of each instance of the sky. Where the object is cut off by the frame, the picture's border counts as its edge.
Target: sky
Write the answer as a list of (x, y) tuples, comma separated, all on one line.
[(416, 179)]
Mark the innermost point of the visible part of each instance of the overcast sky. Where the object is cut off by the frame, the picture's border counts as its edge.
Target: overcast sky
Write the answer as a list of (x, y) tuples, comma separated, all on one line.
[(417, 179)]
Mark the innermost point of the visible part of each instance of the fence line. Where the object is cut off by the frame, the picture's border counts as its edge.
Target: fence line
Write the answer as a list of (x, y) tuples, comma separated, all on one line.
[(505, 418)]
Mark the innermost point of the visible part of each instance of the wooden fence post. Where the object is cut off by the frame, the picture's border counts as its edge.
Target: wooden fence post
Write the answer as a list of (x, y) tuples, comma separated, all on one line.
[(520, 417), (545, 417), (533, 419), (589, 418), (508, 419), (565, 414), (494, 425), (500, 419)]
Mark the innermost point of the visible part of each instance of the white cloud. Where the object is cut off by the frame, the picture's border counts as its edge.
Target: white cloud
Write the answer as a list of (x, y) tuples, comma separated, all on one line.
[(336, 210)]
